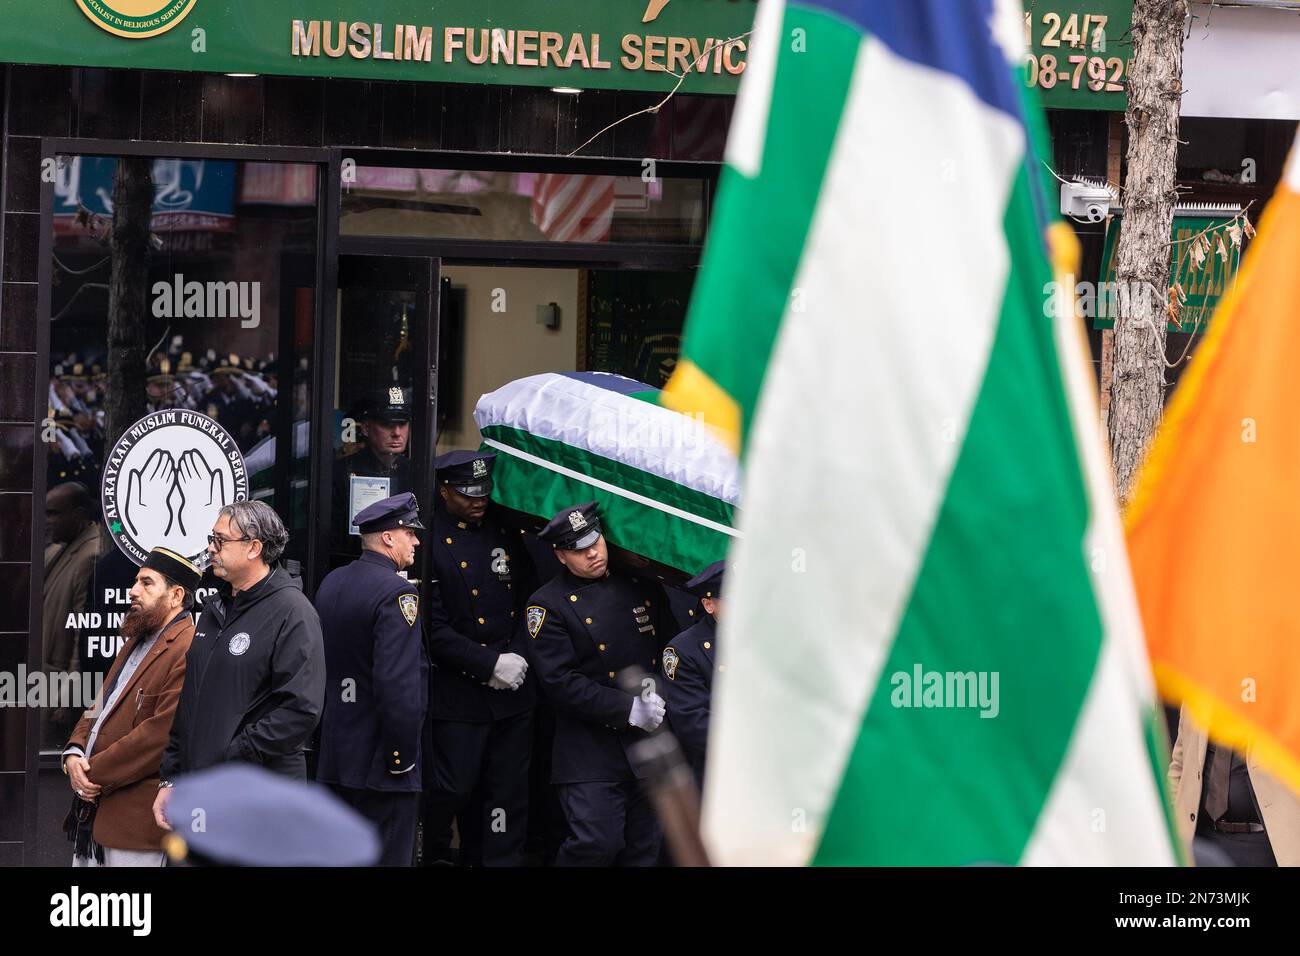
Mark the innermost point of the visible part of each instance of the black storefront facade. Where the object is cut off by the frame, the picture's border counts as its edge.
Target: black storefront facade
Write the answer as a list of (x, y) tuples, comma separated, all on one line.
[(438, 237)]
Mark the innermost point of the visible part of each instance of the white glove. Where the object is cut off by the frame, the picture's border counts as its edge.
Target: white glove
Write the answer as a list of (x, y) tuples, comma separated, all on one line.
[(647, 712), (509, 672)]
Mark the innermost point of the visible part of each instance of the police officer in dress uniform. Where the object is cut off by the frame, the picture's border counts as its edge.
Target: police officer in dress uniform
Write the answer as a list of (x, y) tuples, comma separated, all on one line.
[(587, 624), (481, 712), (376, 677), (688, 669), (386, 433)]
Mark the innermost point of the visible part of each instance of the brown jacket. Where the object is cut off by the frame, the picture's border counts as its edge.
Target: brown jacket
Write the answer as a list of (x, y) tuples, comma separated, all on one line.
[(1279, 807), (132, 738)]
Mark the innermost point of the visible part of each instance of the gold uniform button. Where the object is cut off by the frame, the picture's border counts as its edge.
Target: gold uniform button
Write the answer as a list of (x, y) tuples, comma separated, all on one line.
[(481, 621), (474, 591), (647, 602), (611, 673), (691, 612), (461, 524), (396, 754), (464, 564), (398, 762), (449, 540), (588, 620), (602, 647), (707, 645), (512, 613), (573, 597)]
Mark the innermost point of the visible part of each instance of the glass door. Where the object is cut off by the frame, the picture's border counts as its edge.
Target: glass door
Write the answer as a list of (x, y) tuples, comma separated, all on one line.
[(385, 392)]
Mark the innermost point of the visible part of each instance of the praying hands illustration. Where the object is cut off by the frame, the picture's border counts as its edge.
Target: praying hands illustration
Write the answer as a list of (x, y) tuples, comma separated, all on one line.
[(162, 491), (197, 484)]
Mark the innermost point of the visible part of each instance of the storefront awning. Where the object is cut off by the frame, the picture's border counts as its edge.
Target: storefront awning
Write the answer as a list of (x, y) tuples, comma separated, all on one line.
[(564, 44)]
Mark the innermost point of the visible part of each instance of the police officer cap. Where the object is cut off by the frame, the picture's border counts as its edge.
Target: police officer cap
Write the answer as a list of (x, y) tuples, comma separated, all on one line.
[(252, 817), (469, 472), (708, 583), (399, 511), (573, 529), (387, 405), (180, 569)]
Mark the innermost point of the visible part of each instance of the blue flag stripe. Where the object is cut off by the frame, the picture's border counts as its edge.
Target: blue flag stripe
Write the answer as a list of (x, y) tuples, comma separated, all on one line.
[(949, 35)]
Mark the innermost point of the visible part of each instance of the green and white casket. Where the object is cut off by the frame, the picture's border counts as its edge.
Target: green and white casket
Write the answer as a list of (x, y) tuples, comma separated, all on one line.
[(667, 489)]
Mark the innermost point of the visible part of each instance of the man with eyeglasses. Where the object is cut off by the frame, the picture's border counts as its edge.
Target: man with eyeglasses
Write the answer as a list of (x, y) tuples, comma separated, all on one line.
[(255, 673)]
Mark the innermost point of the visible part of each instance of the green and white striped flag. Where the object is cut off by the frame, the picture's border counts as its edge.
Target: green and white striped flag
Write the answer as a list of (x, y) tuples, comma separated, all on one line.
[(930, 645)]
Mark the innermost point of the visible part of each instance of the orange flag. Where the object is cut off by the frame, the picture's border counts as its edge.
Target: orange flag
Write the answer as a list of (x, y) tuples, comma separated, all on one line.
[(1214, 525)]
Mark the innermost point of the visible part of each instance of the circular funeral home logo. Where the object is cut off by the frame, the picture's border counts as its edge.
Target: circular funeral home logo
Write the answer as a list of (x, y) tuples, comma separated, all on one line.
[(239, 643), (165, 480), (136, 19)]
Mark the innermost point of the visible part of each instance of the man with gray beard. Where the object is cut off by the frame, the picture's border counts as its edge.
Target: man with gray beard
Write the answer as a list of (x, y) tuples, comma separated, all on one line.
[(255, 679)]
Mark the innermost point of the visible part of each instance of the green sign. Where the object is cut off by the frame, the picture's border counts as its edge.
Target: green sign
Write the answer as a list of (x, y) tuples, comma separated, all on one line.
[(610, 44), (1202, 283), (1078, 52)]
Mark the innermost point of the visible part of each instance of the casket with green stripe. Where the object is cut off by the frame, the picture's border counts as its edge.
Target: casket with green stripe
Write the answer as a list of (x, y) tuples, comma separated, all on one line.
[(666, 487)]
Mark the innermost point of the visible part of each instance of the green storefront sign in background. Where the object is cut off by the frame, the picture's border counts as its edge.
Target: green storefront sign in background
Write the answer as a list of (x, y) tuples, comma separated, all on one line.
[(1077, 60), (1204, 286), (602, 44), (1079, 51)]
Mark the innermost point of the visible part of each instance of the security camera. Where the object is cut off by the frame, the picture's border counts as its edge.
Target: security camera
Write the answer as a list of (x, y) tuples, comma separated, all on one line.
[(1086, 201)]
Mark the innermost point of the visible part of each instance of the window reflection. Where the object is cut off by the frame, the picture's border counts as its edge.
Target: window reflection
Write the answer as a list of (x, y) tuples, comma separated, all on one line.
[(535, 207), (176, 284)]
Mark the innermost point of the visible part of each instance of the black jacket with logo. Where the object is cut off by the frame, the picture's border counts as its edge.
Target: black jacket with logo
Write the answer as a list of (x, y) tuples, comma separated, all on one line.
[(584, 632), (254, 681), (483, 576)]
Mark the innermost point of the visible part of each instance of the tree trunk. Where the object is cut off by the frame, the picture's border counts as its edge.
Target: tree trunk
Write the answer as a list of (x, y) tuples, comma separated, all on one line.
[(128, 244), (1142, 270)]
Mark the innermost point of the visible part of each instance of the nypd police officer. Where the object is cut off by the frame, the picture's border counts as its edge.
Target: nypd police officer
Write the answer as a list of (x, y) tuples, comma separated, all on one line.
[(376, 677), (385, 417), (688, 663), (482, 699), (587, 624)]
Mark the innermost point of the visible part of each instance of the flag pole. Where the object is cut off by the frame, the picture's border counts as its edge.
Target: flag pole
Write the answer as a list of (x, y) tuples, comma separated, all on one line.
[(660, 764)]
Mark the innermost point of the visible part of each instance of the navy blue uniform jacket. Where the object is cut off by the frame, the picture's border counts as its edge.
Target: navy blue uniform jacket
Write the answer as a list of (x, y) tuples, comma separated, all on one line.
[(584, 632), (688, 688), (378, 677), (483, 578)]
